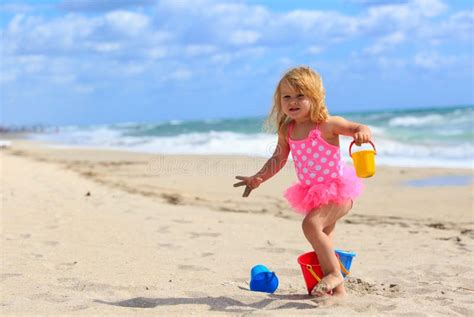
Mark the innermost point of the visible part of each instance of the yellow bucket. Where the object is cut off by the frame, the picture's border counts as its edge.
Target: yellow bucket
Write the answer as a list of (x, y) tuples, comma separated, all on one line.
[(364, 161)]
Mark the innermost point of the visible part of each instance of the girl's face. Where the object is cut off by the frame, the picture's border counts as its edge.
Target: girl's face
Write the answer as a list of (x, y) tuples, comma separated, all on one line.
[(294, 103)]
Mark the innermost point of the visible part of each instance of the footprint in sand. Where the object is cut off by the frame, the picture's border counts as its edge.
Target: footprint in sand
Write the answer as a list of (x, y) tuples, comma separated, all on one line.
[(66, 266), (163, 229), (173, 199), (204, 234), (182, 221), (462, 310), (468, 232), (52, 298), (78, 285), (362, 287), (169, 245), (4, 276), (78, 307), (67, 279), (441, 300), (192, 268), (287, 272), (271, 249), (51, 243), (437, 225)]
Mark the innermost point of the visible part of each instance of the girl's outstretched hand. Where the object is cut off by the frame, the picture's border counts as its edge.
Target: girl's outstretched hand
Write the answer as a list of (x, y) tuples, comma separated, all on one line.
[(250, 183), (362, 137)]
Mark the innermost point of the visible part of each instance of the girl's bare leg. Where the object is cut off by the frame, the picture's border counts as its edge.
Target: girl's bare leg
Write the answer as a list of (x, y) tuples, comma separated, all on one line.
[(339, 290), (318, 226)]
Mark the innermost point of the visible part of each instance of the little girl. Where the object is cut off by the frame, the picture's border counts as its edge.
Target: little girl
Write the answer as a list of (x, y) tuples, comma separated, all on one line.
[(327, 187)]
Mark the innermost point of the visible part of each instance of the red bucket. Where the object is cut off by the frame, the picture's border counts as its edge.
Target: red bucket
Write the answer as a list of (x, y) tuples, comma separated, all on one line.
[(312, 271)]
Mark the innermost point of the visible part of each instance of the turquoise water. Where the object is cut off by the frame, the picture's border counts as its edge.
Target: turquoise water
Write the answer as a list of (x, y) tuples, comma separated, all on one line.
[(446, 180), (450, 125), (442, 137)]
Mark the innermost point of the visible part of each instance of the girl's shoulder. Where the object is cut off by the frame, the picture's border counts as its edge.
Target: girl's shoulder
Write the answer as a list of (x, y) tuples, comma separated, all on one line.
[(286, 127), (327, 127), (332, 121)]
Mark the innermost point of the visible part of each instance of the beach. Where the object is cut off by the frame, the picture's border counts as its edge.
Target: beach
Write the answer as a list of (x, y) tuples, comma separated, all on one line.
[(106, 232)]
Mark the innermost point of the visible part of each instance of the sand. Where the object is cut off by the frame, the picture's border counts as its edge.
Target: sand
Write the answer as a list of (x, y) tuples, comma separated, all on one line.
[(96, 232)]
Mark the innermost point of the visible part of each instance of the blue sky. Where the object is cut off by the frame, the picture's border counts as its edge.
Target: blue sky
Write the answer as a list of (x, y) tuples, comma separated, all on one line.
[(97, 61)]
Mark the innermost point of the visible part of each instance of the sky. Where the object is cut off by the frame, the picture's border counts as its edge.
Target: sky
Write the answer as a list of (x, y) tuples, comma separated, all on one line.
[(97, 61)]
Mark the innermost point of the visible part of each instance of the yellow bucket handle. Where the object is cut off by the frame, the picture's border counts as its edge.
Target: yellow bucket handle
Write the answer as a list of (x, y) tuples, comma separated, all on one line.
[(353, 142), (310, 269)]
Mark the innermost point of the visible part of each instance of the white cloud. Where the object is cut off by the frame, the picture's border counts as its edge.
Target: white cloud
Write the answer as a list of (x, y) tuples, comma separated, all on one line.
[(320, 23), (13, 68), (459, 25), (130, 23), (220, 32), (232, 15), (285, 61), (8, 75), (244, 37), (430, 8), (315, 50), (223, 58), (432, 60), (106, 47), (157, 53), (405, 16), (181, 74), (63, 78), (216, 25), (247, 53), (20, 22), (385, 43), (391, 63), (197, 50), (35, 35)]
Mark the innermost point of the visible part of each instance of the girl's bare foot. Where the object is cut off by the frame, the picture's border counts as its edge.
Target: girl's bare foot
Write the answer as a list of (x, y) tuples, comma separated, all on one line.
[(339, 291), (328, 283)]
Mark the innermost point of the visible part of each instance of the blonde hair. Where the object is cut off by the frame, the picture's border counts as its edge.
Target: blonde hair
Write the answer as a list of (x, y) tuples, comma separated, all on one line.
[(306, 81)]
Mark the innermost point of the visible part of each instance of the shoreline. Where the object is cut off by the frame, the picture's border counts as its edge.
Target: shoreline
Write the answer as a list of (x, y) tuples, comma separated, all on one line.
[(173, 179), (385, 161)]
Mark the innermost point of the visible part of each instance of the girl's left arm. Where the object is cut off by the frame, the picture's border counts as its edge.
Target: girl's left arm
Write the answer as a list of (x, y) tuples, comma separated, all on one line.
[(340, 126)]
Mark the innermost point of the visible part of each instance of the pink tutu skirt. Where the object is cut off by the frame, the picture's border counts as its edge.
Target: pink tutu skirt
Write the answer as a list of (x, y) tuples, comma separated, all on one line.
[(304, 198)]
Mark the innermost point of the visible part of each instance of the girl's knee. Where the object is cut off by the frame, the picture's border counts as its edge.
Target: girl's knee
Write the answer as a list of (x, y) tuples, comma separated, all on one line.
[(348, 206), (329, 229), (310, 226)]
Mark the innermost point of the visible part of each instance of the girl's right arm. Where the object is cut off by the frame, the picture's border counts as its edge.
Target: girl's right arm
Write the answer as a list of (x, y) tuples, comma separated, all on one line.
[(270, 168)]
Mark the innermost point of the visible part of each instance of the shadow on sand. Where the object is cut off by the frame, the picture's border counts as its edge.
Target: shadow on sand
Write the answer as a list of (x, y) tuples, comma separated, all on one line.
[(221, 303)]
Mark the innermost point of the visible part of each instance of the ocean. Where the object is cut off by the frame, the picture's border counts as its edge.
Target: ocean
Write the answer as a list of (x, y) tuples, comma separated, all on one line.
[(436, 137)]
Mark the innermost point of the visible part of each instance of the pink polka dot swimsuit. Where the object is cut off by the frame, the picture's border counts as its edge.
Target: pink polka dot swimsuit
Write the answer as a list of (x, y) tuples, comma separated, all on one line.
[(323, 176), (316, 161)]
